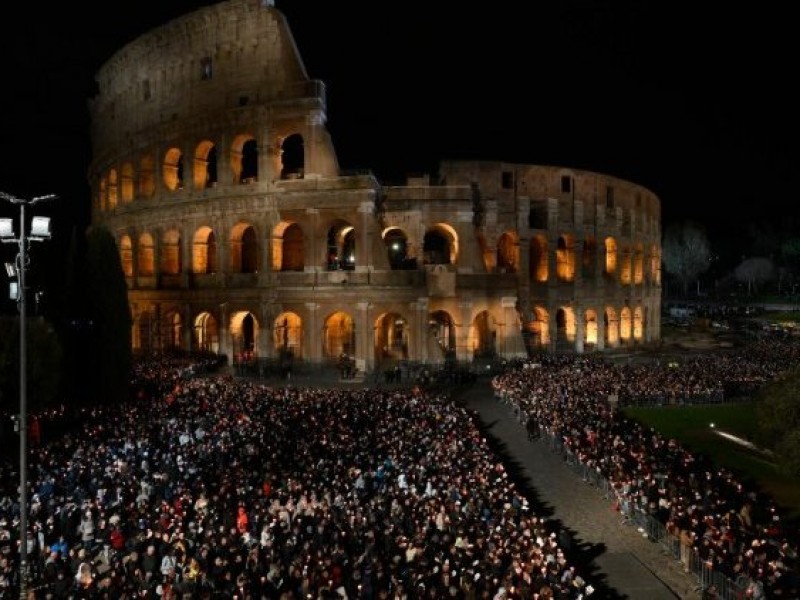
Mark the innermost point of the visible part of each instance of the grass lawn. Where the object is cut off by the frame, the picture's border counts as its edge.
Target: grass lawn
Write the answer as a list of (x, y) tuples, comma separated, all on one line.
[(691, 426)]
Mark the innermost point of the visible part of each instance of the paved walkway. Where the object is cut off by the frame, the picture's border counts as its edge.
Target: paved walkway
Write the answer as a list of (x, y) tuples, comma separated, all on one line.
[(616, 558)]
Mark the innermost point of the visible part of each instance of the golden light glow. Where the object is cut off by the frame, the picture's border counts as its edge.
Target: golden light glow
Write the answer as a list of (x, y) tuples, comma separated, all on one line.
[(538, 258)]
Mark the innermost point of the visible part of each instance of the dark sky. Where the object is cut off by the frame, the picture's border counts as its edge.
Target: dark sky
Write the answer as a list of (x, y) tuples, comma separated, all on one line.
[(697, 103)]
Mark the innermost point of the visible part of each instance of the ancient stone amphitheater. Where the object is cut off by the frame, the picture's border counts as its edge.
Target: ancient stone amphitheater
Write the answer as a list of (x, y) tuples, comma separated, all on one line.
[(239, 234)]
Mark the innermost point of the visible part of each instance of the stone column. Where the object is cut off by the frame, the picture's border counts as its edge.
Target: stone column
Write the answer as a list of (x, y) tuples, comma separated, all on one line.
[(364, 245), (224, 340), (463, 351), (187, 327), (313, 258), (364, 349), (419, 318), (579, 329), (312, 339), (513, 345)]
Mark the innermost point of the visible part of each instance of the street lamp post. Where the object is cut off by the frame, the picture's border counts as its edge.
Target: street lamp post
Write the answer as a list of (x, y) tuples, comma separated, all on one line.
[(39, 231)]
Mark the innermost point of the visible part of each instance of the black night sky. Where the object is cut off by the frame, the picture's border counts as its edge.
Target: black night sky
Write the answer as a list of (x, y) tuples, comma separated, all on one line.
[(697, 103)]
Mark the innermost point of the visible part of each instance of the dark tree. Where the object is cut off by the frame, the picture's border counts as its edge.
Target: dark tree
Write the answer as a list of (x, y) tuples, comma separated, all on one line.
[(108, 320)]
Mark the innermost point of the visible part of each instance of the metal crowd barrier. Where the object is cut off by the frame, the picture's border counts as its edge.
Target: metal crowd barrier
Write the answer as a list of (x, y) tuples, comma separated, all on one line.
[(714, 583)]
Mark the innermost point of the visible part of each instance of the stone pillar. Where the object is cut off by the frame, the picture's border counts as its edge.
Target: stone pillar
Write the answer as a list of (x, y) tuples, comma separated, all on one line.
[(265, 346), (419, 318), (580, 333), (224, 332), (463, 351), (364, 345), (187, 327), (313, 254), (512, 333), (312, 339), (470, 259), (364, 244)]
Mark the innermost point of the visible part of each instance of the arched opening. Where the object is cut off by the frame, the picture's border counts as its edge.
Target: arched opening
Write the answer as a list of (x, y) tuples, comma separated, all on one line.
[(484, 336), (112, 189), (638, 264), (338, 336), (206, 333), (391, 338), (172, 169), (126, 183), (611, 258), (244, 333), (171, 253), (287, 335), (565, 258), (442, 330), (172, 331), (102, 196), (611, 324), (590, 330), (341, 247), (126, 255), (625, 324), (625, 265), (437, 247), (204, 251), (205, 165), (508, 253), (147, 176), (538, 259), (288, 249), (249, 162), (396, 243), (293, 157), (146, 255), (638, 324), (244, 249), (565, 329), (537, 332)]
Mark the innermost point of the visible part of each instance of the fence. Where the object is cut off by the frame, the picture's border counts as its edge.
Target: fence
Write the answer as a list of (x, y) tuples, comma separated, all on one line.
[(714, 583)]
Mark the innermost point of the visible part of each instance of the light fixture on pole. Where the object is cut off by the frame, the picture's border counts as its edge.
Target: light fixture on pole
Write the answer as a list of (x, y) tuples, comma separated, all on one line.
[(40, 231)]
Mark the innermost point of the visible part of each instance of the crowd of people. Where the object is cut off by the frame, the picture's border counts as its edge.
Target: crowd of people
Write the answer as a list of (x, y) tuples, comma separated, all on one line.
[(733, 530), (213, 487)]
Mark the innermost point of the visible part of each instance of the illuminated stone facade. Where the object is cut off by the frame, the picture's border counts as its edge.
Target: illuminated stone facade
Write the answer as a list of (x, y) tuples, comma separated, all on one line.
[(239, 234)]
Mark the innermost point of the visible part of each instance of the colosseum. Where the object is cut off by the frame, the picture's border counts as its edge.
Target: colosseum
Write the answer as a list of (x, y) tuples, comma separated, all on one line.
[(239, 234)]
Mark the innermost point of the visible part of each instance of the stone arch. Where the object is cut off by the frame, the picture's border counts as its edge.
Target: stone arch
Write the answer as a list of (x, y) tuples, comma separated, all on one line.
[(244, 158), (625, 324), (171, 252), (112, 190), (172, 330), (611, 324), (590, 329), (288, 247), (287, 335), (126, 255), (172, 169), (638, 324), (638, 264), (341, 246), (655, 264), (244, 249), (391, 337), (338, 335), (565, 329), (205, 334), (539, 329), (508, 252), (126, 183), (204, 251), (538, 258), (565, 257), (440, 245), (102, 195), (293, 157), (625, 264), (145, 255), (483, 335), (244, 332), (147, 176), (611, 257), (442, 330), (395, 241), (205, 165)]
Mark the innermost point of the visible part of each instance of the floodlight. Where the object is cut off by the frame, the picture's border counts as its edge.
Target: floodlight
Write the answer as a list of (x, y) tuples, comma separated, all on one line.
[(6, 229), (11, 270), (13, 291), (40, 227)]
